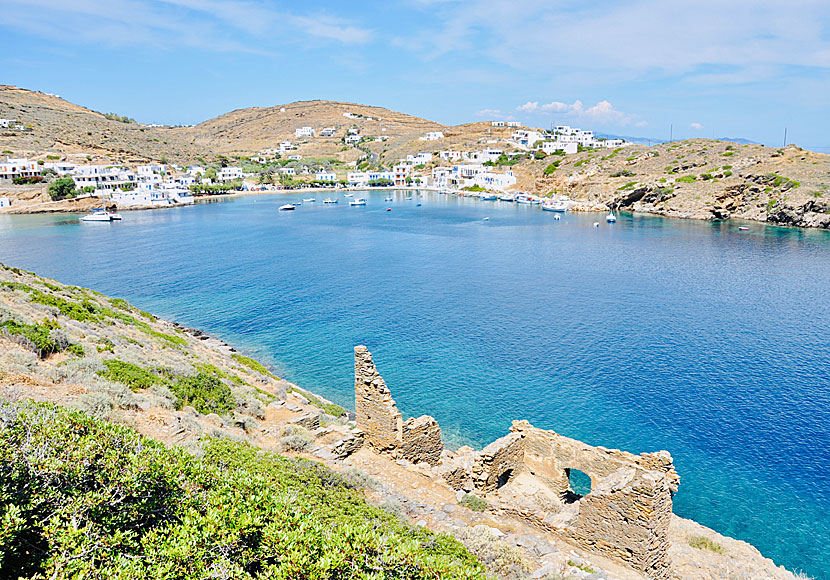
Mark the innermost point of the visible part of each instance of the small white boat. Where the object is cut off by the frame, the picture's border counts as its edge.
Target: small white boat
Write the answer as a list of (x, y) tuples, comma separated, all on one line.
[(488, 197), (287, 207), (596, 224), (557, 218), (387, 199), (329, 200), (309, 200), (358, 201), (348, 195), (557, 206), (611, 218), (507, 197), (97, 215), (409, 198), (528, 200), (743, 229)]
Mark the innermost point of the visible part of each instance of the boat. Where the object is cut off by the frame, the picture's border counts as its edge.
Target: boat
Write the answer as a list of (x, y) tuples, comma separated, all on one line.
[(388, 209), (507, 197), (309, 200), (557, 206), (596, 224), (417, 205), (409, 198), (557, 218), (743, 229), (115, 216), (329, 200), (97, 215), (528, 199), (388, 199), (488, 197), (358, 201), (348, 195), (611, 218), (287, 207)]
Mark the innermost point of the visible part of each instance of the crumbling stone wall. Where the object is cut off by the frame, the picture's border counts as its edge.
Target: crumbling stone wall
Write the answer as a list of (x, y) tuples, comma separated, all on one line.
[(378, 417), (626, 515)]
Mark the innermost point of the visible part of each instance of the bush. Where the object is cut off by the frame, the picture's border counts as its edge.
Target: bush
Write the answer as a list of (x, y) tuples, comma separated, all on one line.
[(204, 392), (552, 167), (62, 188), (133, 376), (40, 338), (295, 443), (82, 498), (473, 502), (502, 558), (98, 405), (686, 179), (253, 364)]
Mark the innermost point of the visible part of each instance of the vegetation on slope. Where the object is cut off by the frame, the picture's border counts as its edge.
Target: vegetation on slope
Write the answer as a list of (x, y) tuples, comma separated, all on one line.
[(83, 498)]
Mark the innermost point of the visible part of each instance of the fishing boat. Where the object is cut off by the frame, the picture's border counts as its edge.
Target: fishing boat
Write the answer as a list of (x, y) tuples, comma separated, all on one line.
[(287, 207), (309, 200), (358, 201), (97, 215), (527, 199), (388, 198), (329, 200), (488, 197), (507, 197), (743, 229), (348, 195), (557, 206), (611, 218)]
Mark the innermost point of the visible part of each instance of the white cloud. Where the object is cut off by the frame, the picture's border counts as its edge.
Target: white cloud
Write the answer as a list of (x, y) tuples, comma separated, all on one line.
[(603, 113), (696, 126), (495, 114), (222, 26)]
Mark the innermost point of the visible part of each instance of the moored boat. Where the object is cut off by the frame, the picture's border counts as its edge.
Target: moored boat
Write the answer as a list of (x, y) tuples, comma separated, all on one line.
[(97, 215), (330, 200), (507, 197), (287, 207), (488, 197), (358, 201), (611, 218), (309, 200), (557, 206)]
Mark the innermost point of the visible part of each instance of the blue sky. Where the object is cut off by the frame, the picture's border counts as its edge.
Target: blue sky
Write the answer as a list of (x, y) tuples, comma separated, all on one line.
[(737, 69)]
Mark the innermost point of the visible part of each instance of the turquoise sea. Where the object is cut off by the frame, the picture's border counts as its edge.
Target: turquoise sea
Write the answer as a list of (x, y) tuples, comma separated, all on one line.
[(642, 335)]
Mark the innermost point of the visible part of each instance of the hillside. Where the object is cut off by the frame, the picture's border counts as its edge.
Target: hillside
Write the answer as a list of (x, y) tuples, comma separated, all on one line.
[(699, 178)]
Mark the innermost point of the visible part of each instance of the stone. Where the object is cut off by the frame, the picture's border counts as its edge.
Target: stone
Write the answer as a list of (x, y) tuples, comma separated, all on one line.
[(310, 421), (348, 444)]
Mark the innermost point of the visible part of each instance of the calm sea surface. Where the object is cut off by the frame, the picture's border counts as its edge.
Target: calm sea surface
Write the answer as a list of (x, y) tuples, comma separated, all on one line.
[(643, 335)]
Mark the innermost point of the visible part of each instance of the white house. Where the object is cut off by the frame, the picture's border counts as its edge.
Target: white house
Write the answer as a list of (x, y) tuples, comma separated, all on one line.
[(549, 147), (401, 172), (353, 139), (304, 132), (525, 139), (379, 175), (11, 124), (5, 202), (497, 123), (330, 176), (286, 146), (287, 171), (294, 157), (420, 159), (450, 155), (103, 177), (357, 178), (441, 176), (432, 136), (60, 167), (229, 174), (497, 181), (513, 124), (327, 132), (21, 167)]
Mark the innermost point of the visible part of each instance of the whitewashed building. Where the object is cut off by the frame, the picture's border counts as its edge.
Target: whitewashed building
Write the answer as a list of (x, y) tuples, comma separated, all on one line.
[(229, 174), (450, 155), (5, 202), (432, 136), (304, 132), (60, 167), (104, 178), (497, 181), (549, 147), (420, 159), (327, 132), (525, 138), (357, 178), (20, 167), (353, 139), (329, 176)]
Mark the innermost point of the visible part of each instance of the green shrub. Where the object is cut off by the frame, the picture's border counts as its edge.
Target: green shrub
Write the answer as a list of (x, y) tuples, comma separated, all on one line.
[(204, 392), (473, 502), (687, 179), (44, 339), (62, 188), (81, 498), (253, 364), (552, 167), (629, 185), (131, 375)]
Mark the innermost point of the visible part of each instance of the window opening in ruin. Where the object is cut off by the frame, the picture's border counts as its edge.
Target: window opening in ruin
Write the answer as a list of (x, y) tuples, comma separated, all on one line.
[(579, 483), (504, 478)]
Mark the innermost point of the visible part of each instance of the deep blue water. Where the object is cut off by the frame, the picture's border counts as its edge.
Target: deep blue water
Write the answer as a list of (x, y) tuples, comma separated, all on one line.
[(643, 335)]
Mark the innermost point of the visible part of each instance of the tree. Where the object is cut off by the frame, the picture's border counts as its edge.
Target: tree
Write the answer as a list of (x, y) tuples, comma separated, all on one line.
[(210, 173), (265, 178), (62, 188)]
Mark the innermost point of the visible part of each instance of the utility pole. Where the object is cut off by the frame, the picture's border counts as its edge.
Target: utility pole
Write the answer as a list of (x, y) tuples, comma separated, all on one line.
[(785, 136)]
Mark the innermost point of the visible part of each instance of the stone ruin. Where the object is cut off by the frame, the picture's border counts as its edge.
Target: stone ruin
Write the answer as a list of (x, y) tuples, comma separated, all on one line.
[(625, 516)]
